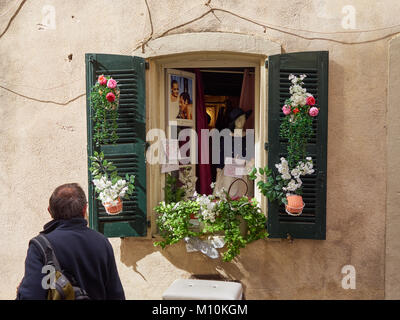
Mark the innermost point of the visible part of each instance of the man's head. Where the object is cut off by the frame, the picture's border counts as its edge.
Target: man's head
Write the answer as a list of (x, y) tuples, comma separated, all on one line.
[(68, 201)]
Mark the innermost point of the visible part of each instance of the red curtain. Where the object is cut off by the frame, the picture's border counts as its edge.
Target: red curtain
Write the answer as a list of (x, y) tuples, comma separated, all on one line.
[(203, 170), (247, 96)]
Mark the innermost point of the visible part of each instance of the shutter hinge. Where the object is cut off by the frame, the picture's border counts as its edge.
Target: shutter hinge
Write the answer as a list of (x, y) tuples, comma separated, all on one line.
[(266, 146), (146, 146), (148, 223), (266, 63), (147, 65)]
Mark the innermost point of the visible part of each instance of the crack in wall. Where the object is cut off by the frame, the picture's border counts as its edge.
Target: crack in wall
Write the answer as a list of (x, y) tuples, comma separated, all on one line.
[(212, 10), (265, 27), (44, 101), (12, 18)]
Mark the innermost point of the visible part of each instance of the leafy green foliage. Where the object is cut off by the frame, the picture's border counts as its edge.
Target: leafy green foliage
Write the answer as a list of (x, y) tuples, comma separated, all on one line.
[(297, 129), (174, 223), (172, 192), (105, 114), (102, 168), (271, 184), (232, 214)]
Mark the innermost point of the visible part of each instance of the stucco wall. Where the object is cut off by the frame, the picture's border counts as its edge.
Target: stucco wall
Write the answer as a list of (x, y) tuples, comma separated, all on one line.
[(43, 136), (392, 262)]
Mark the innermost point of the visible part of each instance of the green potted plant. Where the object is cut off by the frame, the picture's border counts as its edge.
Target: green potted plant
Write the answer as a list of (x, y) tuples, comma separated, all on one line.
[(110, 187), (284, 185), (217, 214), (104, 99), (172, 192)]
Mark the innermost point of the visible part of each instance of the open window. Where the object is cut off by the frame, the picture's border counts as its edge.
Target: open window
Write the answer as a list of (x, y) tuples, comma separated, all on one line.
[(202, 103), (222, 88)]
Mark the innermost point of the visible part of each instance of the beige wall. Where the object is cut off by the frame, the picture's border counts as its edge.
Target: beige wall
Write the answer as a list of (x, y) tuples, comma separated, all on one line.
[(392, 262), (43, 137)]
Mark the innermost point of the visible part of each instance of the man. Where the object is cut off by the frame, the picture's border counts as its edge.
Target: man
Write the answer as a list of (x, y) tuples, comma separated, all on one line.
[(83, 253)]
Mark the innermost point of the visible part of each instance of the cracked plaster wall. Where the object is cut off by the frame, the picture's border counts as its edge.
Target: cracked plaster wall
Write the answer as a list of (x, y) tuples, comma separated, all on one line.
[(43, 135)]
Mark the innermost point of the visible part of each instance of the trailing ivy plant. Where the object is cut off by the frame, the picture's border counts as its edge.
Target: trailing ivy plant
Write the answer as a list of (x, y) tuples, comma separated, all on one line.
[(104, 99), (173, 221), (231, 215), (218, 215), (297, 130)]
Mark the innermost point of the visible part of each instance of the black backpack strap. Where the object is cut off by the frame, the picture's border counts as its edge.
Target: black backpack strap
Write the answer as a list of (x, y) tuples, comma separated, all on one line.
[(47, 250)]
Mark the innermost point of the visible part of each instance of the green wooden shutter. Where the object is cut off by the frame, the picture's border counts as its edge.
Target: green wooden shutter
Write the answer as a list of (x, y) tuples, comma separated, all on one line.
[(311, 224), (128, 154)]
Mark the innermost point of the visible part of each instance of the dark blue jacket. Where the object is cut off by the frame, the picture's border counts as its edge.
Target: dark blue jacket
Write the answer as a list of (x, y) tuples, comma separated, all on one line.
[(83, 253)]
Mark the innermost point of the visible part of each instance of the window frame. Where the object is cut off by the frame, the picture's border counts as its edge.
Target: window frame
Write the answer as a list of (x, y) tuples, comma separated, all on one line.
[(156, 110)]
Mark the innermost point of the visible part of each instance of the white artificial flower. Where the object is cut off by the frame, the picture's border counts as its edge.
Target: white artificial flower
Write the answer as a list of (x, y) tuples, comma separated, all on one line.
[(296, 172), (292, 186), (121, 182), (96, 183), (221, 194), (286, 176)]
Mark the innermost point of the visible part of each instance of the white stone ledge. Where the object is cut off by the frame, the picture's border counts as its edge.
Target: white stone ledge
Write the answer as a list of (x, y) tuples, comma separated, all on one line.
[(209, 42)]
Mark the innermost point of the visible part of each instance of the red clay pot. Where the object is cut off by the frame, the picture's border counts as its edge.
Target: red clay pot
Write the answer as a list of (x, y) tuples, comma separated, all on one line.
[(295, 204), (113, 209)]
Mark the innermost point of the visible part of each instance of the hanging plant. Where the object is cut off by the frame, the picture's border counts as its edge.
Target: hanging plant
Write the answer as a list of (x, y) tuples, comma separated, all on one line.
[(104, 99), (110, 187), (217, 214), (284, 185)]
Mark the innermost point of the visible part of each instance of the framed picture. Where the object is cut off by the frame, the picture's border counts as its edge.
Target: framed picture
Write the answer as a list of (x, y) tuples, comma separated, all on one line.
[(181, 97)]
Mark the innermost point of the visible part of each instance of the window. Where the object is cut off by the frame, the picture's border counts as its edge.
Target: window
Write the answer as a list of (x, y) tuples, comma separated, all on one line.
[(130, 149)]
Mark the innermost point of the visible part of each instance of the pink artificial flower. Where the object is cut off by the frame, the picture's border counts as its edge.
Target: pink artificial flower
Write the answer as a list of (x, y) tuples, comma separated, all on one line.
[(111, 83), (286, 110), (313, 112), (110, 97), (102, 80), (310, 101)]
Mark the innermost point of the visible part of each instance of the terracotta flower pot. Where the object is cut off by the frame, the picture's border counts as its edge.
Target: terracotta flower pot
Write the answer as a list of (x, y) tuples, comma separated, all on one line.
[(295, 205), (113, 209)]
